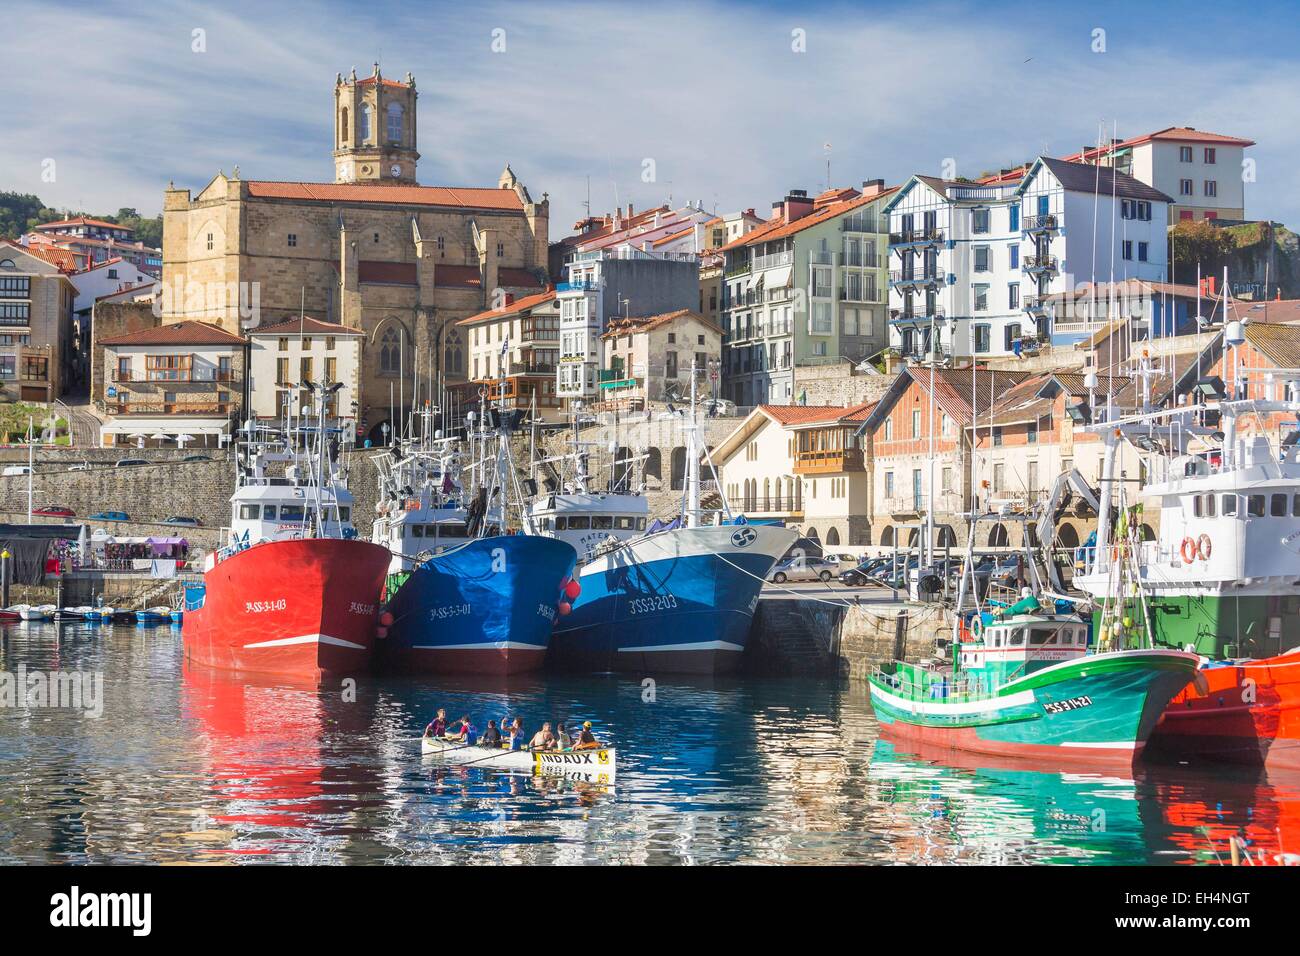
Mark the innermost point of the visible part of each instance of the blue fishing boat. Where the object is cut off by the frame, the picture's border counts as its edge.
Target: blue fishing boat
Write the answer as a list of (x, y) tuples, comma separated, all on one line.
[(464, 598), (679, 598), (484, 607)]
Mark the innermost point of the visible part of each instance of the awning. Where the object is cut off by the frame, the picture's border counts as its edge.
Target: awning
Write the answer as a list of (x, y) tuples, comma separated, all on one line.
[(778, 278)]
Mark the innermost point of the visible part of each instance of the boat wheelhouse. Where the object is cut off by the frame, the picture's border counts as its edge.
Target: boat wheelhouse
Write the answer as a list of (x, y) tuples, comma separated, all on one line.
[(590, 521)]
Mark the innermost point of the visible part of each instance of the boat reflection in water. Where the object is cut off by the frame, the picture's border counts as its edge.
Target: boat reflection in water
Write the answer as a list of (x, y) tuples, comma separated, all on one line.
[(270, 750), (953, 807)]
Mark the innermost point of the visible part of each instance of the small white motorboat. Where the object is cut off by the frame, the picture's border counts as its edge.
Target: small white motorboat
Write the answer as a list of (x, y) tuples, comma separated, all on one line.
[(594, 766), (36, 612), (71, 613)]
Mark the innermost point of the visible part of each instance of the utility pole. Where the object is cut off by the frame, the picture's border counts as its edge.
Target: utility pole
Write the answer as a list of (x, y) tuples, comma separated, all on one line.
[(31, 463)]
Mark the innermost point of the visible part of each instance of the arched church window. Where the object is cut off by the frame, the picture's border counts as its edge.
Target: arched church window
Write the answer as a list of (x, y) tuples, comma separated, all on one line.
[(394, 122), (343, 125), (453, 362), (390, 351), (363, 134)]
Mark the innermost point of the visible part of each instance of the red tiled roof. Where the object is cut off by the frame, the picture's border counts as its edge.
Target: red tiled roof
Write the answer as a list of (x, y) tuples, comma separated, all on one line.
[(511, 277), (636, 324), (188, 332), (514, 308), (803, 414), (64, 259), (306, 324), (387, 273), (469, 197), (464, 277), (124, 290), (397, 84), (82, 221), (778, 228)]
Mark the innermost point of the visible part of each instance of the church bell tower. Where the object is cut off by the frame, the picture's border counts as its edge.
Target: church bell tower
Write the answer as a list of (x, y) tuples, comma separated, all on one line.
[(374, 130)]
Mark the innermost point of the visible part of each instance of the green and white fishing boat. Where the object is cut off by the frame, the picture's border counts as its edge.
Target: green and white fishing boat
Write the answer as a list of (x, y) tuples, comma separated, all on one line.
[(1027, 686)]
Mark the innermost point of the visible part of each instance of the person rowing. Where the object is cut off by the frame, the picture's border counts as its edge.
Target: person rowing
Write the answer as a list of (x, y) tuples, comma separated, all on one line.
[(516, 741), (562, 739), (461, 734), (438, 726), (491, 736), (543, 739), (586, 739)]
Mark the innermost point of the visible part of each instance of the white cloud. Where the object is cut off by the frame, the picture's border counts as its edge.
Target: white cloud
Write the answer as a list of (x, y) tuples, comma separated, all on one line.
[(713, 93)]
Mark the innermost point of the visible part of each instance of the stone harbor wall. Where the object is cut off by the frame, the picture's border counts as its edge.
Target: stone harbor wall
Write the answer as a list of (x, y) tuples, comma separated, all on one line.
[(810, 637)]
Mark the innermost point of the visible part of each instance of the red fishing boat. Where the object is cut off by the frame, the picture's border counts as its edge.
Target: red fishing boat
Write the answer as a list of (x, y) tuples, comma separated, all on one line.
[(294, 592), (1244, 712)]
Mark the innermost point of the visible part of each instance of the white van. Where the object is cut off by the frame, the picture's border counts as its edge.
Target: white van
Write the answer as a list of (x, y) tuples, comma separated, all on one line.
[(13, 471)]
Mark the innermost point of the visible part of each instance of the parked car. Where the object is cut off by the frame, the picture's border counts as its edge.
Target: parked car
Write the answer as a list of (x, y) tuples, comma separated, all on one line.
[(110, 516), (196, 458), (55, 511), (862, 574), (183, 521), (894, 575), (130, 462), (803, 569), (80, 466), (13, 471)]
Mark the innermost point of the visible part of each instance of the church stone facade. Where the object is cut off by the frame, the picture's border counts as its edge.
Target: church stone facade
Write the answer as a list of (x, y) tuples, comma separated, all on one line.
[(372, 250)]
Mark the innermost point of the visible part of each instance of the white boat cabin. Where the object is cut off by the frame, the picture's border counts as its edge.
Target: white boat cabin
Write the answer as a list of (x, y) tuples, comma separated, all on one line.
[(590, 520)]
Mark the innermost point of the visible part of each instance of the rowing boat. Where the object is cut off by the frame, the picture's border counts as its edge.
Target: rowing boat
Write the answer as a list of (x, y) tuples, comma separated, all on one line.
[(597, 766)]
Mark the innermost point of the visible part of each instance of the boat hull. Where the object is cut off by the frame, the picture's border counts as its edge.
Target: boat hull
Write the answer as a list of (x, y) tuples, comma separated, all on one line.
[(1245, 712), (595, 766), (301, 608), (487, 607), (1099, 710), (679, 601)]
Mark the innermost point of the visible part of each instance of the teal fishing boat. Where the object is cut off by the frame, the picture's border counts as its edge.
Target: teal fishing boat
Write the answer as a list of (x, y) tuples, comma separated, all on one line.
[(1026, 685)]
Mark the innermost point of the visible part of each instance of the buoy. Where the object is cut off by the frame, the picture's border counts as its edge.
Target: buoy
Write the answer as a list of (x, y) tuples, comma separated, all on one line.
[(1128, 622), (386, 619), (572, 589), (564, 607), (381, 632)]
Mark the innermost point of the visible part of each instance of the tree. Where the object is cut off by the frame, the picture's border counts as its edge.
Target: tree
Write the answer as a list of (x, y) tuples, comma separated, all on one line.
[(1196, 242)]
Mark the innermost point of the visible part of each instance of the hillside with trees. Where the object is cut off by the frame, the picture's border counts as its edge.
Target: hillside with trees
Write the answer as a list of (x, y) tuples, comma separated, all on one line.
[(23, 212)]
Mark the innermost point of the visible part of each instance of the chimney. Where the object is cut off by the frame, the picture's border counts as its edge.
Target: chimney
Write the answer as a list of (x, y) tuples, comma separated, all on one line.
[(797, 205), (508, 300), (629, 210), (873, 187), (778, 208)]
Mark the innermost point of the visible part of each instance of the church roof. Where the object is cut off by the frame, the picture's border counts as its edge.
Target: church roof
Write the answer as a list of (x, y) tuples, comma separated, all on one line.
[(459, 197)]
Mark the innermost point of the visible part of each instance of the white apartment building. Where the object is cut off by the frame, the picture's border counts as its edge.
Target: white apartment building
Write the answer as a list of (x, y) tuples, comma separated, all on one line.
[(976, 262), (606, 284), (285, 354), (955, 269), (1085, 224)]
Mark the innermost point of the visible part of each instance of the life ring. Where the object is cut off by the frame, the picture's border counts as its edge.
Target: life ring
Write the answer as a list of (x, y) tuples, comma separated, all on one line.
[(1188, 550), (1204, 547), (977, 626)]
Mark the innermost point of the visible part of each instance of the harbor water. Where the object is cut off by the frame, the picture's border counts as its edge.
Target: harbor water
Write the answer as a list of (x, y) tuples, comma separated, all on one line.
[(184, 765)]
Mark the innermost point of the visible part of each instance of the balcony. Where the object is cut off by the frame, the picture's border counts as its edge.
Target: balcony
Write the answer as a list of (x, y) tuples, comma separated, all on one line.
[(898, 280), (1035, 265), (531, 335), (1038, 225), (858, 295), (925, 315), (830, 462), (532, 368), (1036, 305), (738, 269), (585, 285), (915, 238), (773, 261), (159, 377)]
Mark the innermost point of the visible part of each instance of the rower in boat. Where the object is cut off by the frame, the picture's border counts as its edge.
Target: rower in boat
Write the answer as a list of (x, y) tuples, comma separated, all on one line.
[(463, 734), (586, 739), (562, 739), (491, 736), (543, 739), (438, 726)]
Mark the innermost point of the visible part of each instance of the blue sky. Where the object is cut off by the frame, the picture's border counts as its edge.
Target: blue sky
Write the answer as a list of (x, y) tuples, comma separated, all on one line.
[(712, 92)]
